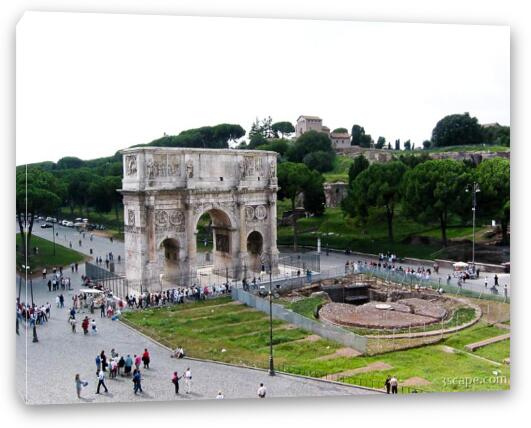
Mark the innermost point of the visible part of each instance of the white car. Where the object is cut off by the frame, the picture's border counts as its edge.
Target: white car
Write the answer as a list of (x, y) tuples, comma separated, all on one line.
[(69, 224), (63, 222)]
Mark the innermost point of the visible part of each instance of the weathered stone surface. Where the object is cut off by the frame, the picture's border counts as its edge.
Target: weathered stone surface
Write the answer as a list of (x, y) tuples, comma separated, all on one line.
[(166, 191), (372, 315)]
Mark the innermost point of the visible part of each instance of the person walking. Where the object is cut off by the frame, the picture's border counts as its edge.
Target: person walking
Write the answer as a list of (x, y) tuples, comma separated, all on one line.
[(175, 380), (121, 364), (220, 396), (85, 325), (394, 385), (137, 360), (145, 358), (137, 378), (98, 364), (188, 380), (93, 326), (80, 384), (262, 391), (73, 324), (102, 310), (101, 382), (128, 365), (496, 284), (387, 385), (103, 361)]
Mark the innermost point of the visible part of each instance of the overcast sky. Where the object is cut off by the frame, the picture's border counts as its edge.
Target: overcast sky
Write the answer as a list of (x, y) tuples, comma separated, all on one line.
[(91, 84)]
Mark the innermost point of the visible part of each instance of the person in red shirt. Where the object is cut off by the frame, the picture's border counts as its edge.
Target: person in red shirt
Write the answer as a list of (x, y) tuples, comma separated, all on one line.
[(145, 358)]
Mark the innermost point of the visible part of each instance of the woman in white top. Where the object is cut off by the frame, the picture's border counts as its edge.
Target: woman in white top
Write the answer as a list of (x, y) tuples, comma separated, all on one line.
[(188, 380)]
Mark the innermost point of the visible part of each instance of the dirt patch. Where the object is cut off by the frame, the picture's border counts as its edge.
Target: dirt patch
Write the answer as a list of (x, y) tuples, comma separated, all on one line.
[(341, 352), (416, 381), (448, 349), (310, 338), (376, 366)]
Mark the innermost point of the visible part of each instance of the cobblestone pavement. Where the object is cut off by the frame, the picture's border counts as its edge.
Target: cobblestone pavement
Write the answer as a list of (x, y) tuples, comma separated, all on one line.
[(52, 363)]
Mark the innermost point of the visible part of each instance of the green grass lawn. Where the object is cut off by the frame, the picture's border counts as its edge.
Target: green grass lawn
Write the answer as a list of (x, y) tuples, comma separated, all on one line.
[(340, 170), (224, 331), (498, 351), (63, 256)]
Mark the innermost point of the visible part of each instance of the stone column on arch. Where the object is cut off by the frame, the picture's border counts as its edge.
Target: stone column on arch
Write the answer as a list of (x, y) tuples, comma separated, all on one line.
[(243, 262), (272, 223), (191, 244)]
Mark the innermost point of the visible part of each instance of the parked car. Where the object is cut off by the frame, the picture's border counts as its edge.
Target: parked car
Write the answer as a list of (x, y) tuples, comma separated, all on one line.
[(63, 222), (49, 219), (46, 225), (79, 224), (69, 224)]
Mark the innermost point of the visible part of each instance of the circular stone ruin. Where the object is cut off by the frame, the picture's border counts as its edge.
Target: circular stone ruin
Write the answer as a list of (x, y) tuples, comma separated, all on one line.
[(404, 313)]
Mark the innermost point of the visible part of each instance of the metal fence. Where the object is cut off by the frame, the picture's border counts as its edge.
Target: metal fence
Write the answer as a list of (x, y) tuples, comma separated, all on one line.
[(411, 280), (110, 280), (331, 332)]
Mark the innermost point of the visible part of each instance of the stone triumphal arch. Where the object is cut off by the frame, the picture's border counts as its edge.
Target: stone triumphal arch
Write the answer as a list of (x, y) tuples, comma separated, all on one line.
[(167, 190)]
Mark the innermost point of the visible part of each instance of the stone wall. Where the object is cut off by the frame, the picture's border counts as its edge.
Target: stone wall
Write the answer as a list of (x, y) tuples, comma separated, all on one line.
[(335, 193), (384, 155)]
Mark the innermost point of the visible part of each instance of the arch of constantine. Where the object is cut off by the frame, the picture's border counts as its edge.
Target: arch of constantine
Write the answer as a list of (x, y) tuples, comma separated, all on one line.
[(167, 190)]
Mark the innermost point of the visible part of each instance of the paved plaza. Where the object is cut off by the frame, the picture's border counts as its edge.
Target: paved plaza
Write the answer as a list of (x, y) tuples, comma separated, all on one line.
[(51, 364)]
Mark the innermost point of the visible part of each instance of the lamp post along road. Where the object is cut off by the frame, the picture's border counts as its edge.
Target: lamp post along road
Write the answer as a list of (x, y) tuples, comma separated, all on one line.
[(271, 365), (474, 188)]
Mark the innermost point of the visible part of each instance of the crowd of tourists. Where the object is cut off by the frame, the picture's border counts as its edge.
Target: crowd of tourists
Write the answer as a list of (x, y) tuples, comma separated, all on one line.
[(176, 296), (33, 314)]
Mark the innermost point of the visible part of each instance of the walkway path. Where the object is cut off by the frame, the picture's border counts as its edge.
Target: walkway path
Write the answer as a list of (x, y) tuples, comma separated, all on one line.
[(52, 363)]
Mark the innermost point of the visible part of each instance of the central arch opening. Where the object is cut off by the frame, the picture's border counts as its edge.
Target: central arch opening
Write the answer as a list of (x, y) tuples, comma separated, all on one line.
[(170, 248), (213, 240), (255, 246)]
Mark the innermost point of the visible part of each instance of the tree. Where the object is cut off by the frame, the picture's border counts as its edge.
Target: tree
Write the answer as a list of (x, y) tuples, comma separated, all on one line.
[(407, 145), (293, 179), (69, 162), (284, 128), (494, 179), (380, 143), (279, 146), (456, 130), (433, 190), (359, 165), (309, 142), (497, 134), (357, 133), (37, 192), (426, 144), (411, 160), (314, 196), (379, 186), (103, 195), (78, 188), (397, 144), (320, 161), (340, 131)]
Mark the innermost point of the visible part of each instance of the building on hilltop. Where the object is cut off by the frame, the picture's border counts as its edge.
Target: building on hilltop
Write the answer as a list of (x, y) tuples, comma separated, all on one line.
[(340, 140), (309, 123)]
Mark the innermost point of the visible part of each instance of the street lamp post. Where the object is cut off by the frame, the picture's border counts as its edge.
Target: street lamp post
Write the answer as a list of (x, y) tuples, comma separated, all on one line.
[(271, 365), (26, 268), (474, 188)]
